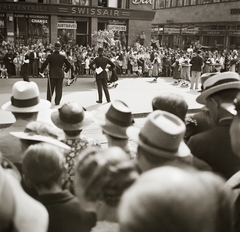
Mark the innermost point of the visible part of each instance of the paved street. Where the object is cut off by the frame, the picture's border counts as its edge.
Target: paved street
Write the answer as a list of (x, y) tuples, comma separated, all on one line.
[(137, 93)]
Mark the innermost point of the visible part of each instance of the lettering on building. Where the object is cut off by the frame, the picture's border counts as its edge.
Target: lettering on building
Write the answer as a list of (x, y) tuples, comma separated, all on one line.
[(137, 2), (42, 21), (23, 7), (235, 11), (95, 12), (67, 26), (117, 27)]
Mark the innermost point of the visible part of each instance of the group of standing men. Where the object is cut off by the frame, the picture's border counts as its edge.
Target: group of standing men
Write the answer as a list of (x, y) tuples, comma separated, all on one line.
[(55, 61)]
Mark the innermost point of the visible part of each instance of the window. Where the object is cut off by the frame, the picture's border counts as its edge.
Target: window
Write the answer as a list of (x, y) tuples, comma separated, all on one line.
[(179, 2), (160, 4), (168, 3), (186, 2), (102, 3), (174, 3), (193, 2)]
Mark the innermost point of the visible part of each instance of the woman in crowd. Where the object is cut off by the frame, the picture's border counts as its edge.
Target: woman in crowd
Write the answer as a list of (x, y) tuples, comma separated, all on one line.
[(101, 178)]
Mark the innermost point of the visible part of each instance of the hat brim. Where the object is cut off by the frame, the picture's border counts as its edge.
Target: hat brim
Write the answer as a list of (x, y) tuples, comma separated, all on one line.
[(87, 120), (183, 150), (42, 105), (107, 126), (206, 93), (230, 108), (40, 138)]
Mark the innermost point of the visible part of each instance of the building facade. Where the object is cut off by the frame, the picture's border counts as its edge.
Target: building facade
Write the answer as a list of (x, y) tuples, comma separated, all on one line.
[(211, 23), (26, 22)]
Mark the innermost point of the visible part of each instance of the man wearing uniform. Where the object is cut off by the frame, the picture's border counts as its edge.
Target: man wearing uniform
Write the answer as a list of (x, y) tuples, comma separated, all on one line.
[(100, 63), (56, 75)]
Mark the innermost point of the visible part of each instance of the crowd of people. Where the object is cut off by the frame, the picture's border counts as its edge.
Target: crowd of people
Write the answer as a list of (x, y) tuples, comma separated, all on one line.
[(182, 176), (138, 60)]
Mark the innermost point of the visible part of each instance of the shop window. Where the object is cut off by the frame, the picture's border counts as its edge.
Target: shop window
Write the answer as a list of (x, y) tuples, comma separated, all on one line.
[(179, 2), (186, 2), (168, 3), (193, 2), (160, 4), (174, 3), (213, 27), (103, 3), (81, 2), (221, 27)]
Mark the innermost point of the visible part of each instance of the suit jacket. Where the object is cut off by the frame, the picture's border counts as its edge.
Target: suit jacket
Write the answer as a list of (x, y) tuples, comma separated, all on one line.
[(102, 62), (214, 147), (56, 62), (197, 63)]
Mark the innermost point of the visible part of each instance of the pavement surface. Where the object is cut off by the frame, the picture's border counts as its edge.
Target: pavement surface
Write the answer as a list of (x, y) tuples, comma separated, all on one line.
[(137, 93)]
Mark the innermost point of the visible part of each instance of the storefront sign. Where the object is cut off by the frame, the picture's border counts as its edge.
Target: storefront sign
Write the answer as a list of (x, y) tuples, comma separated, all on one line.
[(42, 21), (23, 7), (235, 11), (136, 2), (67, 26), (214, 32), (172, 30), (96, 12), (234, 32), (117, 27), (190, 30)]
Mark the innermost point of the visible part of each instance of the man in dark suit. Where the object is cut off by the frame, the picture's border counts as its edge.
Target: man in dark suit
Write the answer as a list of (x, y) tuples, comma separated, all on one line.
[(213, 145), (197, 65), (99, 65), (56, 74)]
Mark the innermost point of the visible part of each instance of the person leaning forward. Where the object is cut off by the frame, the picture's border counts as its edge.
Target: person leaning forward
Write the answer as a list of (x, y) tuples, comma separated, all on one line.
[(100, 63), (56, 75)]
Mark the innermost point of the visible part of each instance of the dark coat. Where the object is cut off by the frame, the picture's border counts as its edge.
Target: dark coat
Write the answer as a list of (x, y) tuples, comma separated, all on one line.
[(66, 214), (102, 62), (214, 147), (56, 62), (197, 63)]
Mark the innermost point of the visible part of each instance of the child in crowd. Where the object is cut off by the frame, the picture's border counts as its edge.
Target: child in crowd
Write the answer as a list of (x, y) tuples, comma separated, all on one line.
[(18, 63), (4, 73), (44, 168), (140, 71), (87, 62)]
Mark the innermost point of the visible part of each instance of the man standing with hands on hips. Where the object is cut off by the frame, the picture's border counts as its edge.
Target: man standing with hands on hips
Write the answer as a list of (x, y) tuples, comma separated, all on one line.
[(56, 74), (100, 63)]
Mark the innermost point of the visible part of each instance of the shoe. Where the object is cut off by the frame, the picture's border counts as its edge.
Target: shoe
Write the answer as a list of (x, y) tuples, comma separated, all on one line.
[(115, 86), (109, 101), (99, 101), (155, 79)]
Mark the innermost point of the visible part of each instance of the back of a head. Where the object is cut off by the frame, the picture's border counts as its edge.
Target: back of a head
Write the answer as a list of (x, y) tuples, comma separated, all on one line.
[(43, 164), (172, 103), (104, 174), (170, 199)]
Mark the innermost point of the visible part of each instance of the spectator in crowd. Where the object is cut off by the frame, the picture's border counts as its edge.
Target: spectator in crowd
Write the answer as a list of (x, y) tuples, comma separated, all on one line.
[(72, 119), (100, 64), (170, 199), (44, 168), (160, 141), (114, 124), (172, 103), (213, 146), (25, 64), (197, 66), (8, 61), (101, 178), (25, 104), (19, 212), (56, 74)]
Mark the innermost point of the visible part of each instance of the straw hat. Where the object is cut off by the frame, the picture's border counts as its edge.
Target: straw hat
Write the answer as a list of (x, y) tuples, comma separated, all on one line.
[(116, 120), (218, 82), (42, 132), (26, 98), (232, 108), (71, 116), (162, 135)]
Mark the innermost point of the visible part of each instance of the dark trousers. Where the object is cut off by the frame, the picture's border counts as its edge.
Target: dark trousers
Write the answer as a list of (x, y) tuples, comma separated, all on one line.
[(57, 85), (102, 85), (24, 72)]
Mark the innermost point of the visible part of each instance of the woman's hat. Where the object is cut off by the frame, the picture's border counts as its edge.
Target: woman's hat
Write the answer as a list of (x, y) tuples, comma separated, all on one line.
[(116, 120), (26, 99), (71, 116), (218, 82), (162, 135), (42, 132)]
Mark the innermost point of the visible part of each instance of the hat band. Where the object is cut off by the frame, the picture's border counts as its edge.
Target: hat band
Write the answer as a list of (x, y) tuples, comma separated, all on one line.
[(147, 142), (24, 103), (74, 119), (126, 123), (222, 82)]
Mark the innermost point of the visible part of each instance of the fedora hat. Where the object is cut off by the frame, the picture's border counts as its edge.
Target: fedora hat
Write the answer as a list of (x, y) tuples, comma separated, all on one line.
[(42, 132), (162, 135), (26, 98), (218, 82), (234, 107), (71, 116), (57, 45), (116, 120)]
